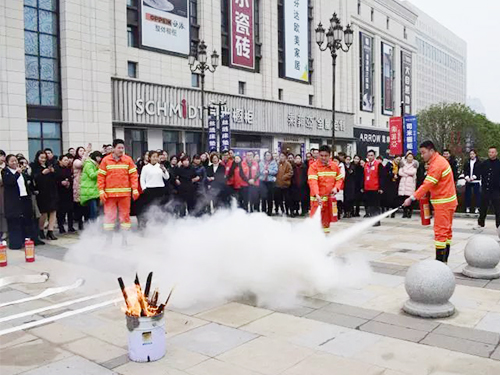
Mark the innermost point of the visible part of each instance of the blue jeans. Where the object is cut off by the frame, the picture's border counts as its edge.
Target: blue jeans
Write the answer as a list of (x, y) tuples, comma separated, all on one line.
[(94, 209), (471, 187)]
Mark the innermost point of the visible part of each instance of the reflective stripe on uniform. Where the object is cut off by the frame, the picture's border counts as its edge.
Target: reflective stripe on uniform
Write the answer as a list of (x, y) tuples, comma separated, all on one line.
[(312, 177), (327, 174), (448, 242), (340, 176), (440, 244), (431, 179), (324, 199), (117, 166), (444, 200), (446, 172), (103, 172), (126, 225), (108, 226), (101, 192), (118, 190), (135, 191), (326, 230), (132, 170)]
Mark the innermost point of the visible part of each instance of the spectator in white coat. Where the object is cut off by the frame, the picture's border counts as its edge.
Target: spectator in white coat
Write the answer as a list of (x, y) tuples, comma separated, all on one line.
[(408, 181)]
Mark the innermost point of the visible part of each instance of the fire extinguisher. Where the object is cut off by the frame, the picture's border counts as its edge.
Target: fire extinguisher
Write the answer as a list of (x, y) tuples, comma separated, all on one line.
[(3, 254), (335, 209), (29, 250), (425, 210)]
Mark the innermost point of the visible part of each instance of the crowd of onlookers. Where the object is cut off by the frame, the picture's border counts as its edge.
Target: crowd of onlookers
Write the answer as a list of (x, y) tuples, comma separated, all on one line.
[(63, 190)]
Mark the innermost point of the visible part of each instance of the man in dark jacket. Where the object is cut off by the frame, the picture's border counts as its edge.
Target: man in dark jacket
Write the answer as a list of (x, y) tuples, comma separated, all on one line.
[(489, 172), (64, 178), (300, 188)]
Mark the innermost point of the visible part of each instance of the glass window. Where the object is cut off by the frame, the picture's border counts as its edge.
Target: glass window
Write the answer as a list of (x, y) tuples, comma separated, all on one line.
[(135, 142), (31, 65), (31, 43), (32, 92), (34, 130), (41, 53), (44, 135), (132, 69), (195, 80), (46, 4), (171, 142), (241, 87)]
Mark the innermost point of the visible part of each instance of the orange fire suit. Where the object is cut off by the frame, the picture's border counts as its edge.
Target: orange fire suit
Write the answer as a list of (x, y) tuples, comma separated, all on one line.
[(322, 180), (441, 185), (117, 180)]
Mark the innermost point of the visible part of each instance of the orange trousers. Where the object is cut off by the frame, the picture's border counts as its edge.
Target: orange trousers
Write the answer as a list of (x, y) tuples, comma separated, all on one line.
[(443, 220), (114, 206), (326, 212)]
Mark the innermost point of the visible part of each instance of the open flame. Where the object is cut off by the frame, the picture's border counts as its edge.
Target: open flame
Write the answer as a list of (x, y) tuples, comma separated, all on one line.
[(139, 303)]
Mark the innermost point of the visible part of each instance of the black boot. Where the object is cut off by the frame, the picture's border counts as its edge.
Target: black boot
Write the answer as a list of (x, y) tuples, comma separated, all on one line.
[(61, 229), (42, 235), (50, 235), (447, 253), (441, 255), (410, 212)]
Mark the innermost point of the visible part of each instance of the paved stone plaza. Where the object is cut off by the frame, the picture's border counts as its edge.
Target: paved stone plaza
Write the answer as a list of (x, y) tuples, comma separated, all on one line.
[(350, 331)]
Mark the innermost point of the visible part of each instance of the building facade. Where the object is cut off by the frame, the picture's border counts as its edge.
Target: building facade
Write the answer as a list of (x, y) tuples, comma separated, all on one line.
[(441, 74), (73, 73)]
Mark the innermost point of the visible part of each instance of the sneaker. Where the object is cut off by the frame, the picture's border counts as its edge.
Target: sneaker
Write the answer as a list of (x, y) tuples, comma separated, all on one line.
[(478, 228), (467, 211), (476, 211)]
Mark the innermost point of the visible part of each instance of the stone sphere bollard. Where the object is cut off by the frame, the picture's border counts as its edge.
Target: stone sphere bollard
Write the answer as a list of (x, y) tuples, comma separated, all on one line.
[(430, 284), (482, 254)]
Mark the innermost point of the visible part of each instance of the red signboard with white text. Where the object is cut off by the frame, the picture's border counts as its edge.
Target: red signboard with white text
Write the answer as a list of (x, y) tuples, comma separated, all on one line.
[(242, 34), (396, 136)]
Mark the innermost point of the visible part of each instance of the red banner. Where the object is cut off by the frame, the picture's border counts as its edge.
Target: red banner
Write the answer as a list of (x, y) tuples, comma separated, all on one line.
[(242, 34), (396, 136)]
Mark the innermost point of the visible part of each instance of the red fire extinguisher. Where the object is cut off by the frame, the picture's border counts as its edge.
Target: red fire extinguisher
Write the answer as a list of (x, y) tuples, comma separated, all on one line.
[(335, 210), (29, 250), (425, 210), (3, 254)]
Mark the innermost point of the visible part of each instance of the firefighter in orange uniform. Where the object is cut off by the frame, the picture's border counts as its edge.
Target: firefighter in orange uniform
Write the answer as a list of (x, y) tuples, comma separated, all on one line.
[(325, 180), (441, 185), (117, 181)]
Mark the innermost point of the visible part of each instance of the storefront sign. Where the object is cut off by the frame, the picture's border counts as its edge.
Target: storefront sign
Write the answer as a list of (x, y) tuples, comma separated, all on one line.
[(165, 25), (183, 110), (387, 89), (142, 104), (371, 139), (396, 135), (307, 122), (242, 34), (296, 39), (406, 85), (411, 141), (366, 86)]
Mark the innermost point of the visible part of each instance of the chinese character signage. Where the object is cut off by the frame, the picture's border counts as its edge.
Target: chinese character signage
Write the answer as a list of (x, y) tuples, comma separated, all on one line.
[(387, 89), (366, 83), (406, 84), (225, 132), (396, 135), (212, 132), (242, 34), (296, 40), (411, 141), (165, 25)]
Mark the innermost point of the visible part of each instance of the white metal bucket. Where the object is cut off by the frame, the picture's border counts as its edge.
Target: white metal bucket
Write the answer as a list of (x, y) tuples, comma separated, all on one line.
[(146, 338)]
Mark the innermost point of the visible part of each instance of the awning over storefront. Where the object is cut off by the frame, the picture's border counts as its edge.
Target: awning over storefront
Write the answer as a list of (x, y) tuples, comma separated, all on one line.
[(146, 104)]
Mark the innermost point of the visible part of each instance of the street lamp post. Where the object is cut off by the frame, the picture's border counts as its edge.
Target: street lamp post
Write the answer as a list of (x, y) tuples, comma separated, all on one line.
[(334, 43), (199, 64)]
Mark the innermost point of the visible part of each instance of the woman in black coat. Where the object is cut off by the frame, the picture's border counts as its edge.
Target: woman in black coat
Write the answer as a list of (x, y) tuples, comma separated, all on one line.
[(299, 188), (47, 198), (349, 188), (358, 184), (216, 181), (185, 179), (17, 199)]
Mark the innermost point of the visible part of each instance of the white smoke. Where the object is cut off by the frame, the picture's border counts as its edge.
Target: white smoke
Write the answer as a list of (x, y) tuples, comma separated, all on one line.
[(217, 258)]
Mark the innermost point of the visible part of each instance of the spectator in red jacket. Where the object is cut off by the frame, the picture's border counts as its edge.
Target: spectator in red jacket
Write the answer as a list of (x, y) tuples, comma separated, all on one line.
[(249, 172)]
